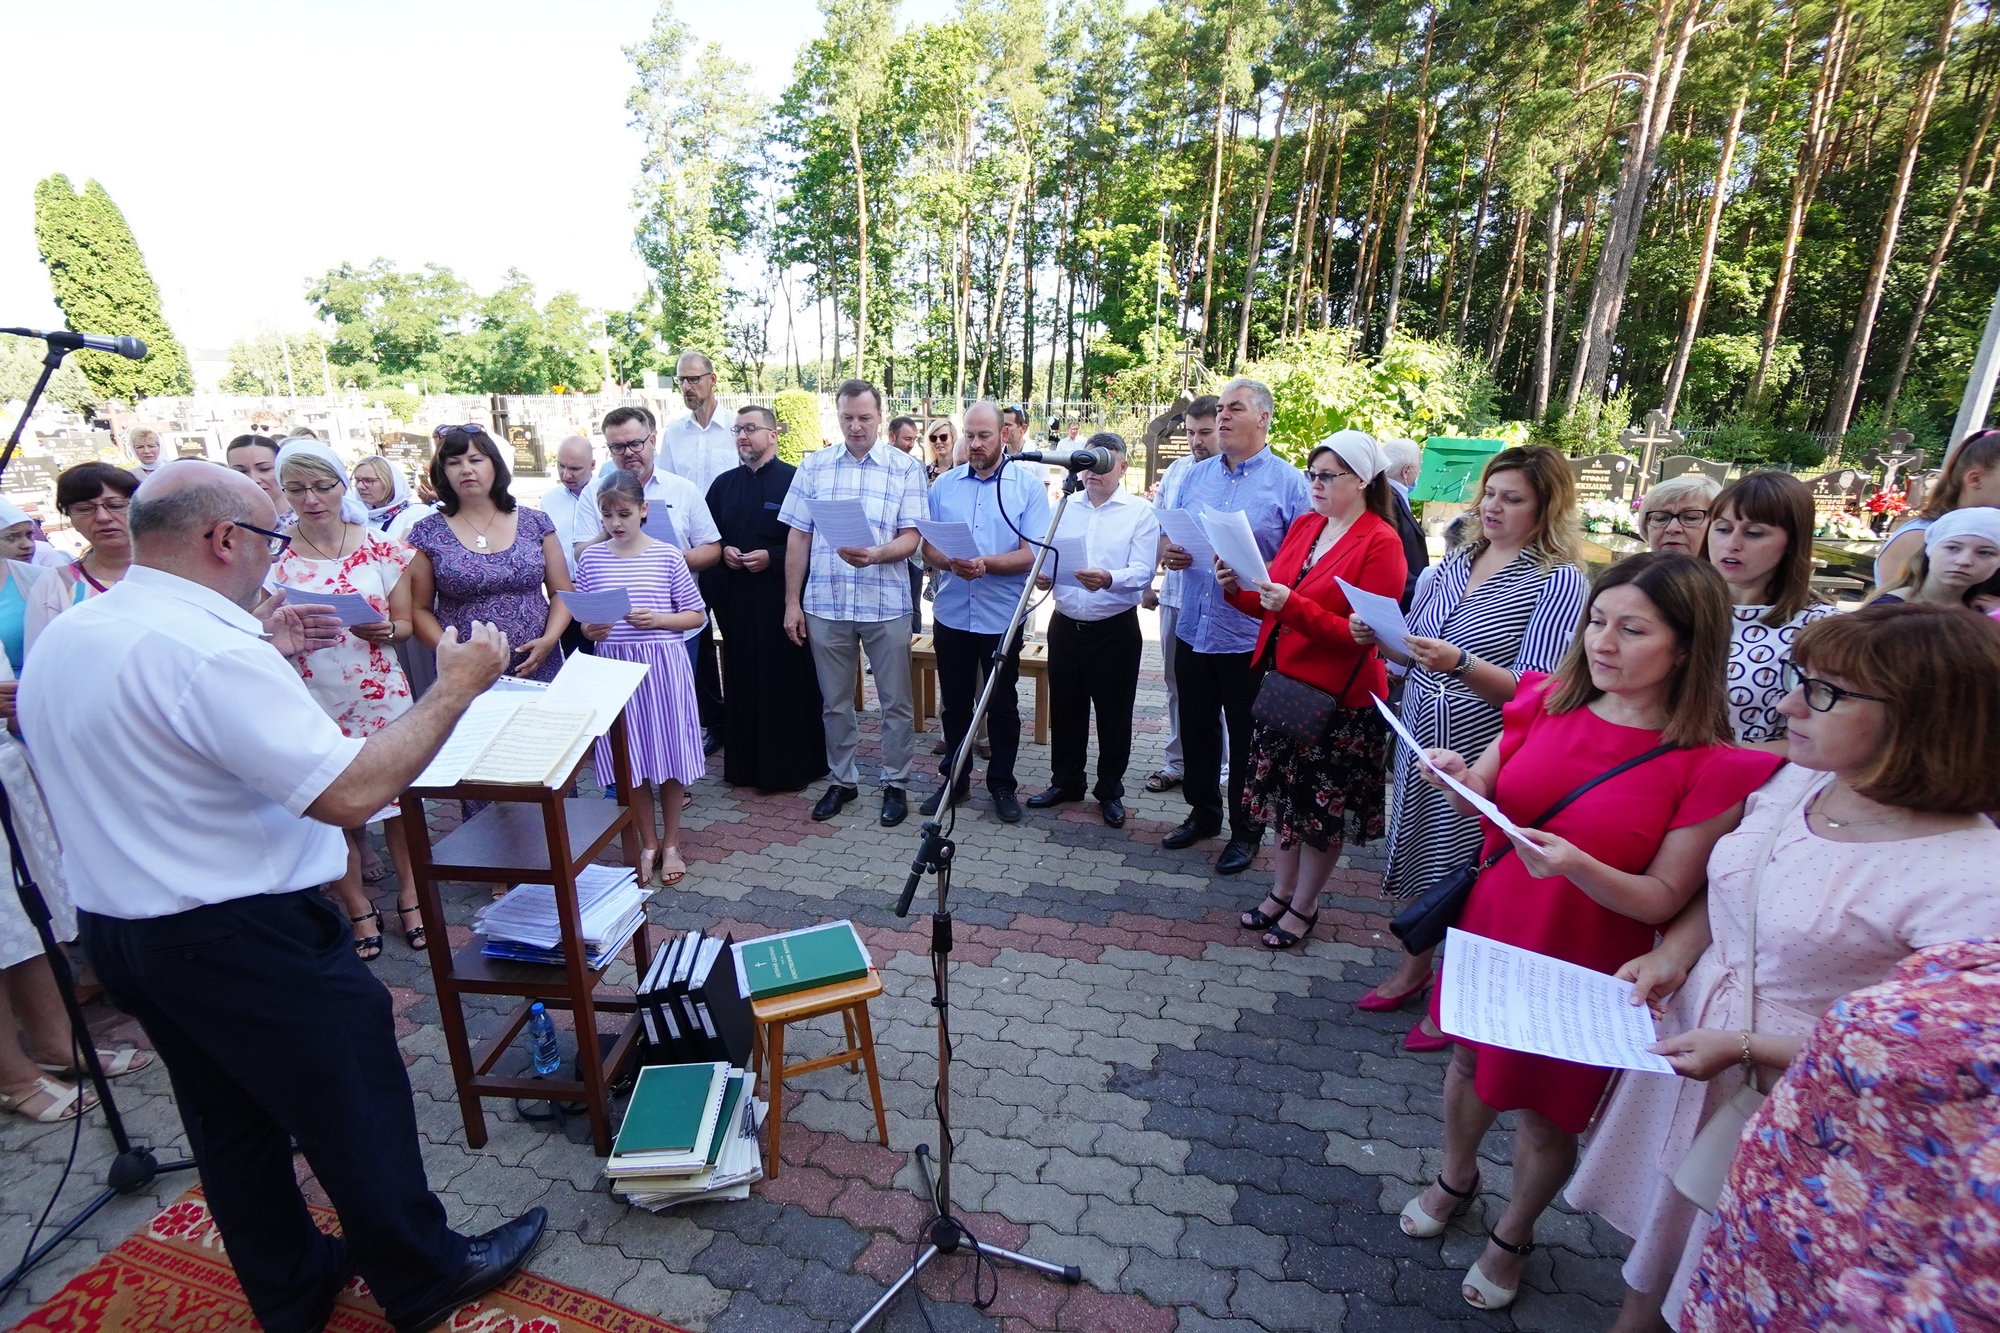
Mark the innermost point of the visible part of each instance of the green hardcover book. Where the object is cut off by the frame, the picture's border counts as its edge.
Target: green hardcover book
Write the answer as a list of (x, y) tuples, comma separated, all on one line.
[(724, 1127), (802, 959), (672, 1110)]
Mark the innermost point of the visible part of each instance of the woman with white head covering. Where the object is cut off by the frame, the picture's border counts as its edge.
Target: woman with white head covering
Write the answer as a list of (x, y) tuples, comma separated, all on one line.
[(386, 491), (31, 595), (1316, 766), (358, 680), (1961, 552)]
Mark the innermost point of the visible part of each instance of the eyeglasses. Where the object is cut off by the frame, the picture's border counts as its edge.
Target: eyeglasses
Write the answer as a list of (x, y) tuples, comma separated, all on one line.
[(1325, 478), (689, 381), (1821, 695), (470, 428), (106, 507), (630, 446), (317, 488), (1687, 518), (279, 542), (743, 428)]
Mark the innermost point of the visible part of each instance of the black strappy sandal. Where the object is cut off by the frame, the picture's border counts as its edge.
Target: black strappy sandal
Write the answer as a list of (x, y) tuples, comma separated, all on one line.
[(369, 947), (414, 934), (1276, 939), (1262, 920)]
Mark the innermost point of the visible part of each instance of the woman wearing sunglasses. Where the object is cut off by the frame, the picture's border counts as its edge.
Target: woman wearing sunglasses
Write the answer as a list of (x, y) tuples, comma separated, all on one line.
[(1868, 846)]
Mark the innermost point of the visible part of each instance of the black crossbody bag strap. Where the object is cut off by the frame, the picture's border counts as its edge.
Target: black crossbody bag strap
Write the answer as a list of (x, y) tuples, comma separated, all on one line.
[(1571, 799)]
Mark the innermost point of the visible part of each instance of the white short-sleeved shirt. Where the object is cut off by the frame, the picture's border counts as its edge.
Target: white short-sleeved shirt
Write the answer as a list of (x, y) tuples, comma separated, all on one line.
[(178, 752), (562, 509), (699, 453)]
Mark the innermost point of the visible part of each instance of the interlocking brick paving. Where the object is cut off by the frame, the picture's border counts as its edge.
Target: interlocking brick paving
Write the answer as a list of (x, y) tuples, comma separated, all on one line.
[(1210, 1131)]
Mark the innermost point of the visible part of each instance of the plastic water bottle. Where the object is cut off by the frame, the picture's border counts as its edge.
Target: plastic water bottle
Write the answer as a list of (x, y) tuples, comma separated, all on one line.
[(542, 1042)]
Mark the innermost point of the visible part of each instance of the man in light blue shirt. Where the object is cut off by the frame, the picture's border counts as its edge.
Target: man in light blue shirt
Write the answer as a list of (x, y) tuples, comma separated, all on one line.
[(1214, 644), (975, 598)]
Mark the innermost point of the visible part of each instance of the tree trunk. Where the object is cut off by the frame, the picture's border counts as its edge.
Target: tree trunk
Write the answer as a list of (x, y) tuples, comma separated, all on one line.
[(1952, 216), (1805, 180), (1330, 205), (999, 289), (861, 218), (1254, 255), (1215, 178), (1426, 122), (1508, 292), (1479, 222), (1538, 404), (1692, 325), (1840, 403), (962, 283), (1451, 251), (1028, 293), (1292, 266)]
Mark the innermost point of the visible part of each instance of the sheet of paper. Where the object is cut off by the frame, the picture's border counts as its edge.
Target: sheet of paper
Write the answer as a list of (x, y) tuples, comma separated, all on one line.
[(529, 746), (475, 729), (1070, 555), (1235, 544), (1183, 531), (843, 523), (598, 608), (952, 538), (660, 526), (1500, 995), (351, 607), (1472, 798), (1378, 613), (601, 684)]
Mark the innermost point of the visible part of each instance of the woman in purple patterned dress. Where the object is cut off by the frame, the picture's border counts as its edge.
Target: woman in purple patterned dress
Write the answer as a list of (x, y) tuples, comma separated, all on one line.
[(482, 557)]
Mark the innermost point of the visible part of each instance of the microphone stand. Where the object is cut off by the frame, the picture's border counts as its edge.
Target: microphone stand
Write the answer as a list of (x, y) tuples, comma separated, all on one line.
[(946, 1234), (133, 1168)]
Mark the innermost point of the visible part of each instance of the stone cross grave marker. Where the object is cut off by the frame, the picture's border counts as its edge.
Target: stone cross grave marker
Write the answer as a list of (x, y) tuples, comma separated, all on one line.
[(1650, 438)]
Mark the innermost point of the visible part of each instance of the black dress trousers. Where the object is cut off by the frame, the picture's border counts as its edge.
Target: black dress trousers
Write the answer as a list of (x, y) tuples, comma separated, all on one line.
[(959, 657), (1093, 664), (1212, 685), (273, 1030)]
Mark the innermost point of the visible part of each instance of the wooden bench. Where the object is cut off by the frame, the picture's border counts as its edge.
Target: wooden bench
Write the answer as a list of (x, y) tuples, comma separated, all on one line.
[(923, 676)]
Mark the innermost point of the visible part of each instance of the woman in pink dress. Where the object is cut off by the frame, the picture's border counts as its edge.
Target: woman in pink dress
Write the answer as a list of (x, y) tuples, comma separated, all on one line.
[(1641, 685), (1876, 848)]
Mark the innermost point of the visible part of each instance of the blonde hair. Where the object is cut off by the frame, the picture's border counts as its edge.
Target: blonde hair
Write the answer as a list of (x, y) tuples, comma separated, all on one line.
[(378, 464), (1695, 485), (1555, 539), (307, 466)]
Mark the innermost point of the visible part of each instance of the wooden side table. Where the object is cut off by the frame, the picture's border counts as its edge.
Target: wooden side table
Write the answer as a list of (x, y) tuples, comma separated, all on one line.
[(769, 1017)]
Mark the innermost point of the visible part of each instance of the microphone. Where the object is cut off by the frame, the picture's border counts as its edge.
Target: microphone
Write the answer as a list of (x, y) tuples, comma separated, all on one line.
[(1099, 461), (132, 349)]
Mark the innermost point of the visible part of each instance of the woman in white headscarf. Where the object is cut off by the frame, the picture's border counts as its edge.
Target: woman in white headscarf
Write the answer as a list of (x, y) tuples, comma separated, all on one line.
[(1321, 786), (30, 595), (1961, 553), (358, 680), (386, 491)]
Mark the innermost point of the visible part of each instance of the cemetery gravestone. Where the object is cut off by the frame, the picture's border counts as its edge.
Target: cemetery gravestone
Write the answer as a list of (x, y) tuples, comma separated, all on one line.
[(1837, 492), (1652, 437), (1604, 476), (1166, 440), (1686, 465), (527, 444)]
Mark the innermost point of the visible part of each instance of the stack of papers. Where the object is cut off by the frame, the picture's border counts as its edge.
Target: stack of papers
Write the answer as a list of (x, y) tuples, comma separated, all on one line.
[(690, 1133), (523, 927)]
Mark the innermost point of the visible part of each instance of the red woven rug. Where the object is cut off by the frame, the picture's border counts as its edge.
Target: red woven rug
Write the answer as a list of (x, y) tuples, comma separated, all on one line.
[(174, 1276)]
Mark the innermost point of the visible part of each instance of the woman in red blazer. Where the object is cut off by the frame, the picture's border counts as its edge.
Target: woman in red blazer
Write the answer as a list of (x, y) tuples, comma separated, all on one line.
[(1329, 791)]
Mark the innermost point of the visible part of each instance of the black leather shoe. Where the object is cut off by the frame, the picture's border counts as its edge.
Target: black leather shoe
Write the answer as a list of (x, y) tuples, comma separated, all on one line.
[(835, 797), (1042, 800), (931, 802), (1236, 857), (490, 1260), (1187, 834), (711, 741), (1007, 807), (1114, 812), (895, 809)]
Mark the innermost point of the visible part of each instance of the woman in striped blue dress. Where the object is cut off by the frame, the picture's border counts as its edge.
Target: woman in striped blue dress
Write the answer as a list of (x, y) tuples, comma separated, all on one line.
[(1505, 603), (662, 722)]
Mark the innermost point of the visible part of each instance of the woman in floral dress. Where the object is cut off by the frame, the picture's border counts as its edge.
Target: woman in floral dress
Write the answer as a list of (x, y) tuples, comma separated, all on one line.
[(358, 680)]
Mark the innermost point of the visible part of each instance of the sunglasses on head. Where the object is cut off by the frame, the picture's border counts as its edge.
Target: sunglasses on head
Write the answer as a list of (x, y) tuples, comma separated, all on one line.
[(470, 428)]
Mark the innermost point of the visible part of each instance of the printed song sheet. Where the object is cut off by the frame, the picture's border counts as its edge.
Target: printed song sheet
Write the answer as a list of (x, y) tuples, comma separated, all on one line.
[(1472, 798), (843, 523), (660, 526), (476, 728), (1378, 613), (532, 743), (1235, 544), (953, 539), (351, 607), (1068, 555), (1184, 532), (598, 608), (601, 684), (1500, 995)]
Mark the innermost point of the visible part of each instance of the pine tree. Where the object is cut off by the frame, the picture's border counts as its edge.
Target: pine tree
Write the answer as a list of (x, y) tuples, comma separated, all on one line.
[(103, 286)]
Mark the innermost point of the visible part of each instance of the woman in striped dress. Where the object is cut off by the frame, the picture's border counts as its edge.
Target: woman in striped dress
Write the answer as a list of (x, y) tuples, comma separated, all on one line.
[(662, 723), (1506, 603)]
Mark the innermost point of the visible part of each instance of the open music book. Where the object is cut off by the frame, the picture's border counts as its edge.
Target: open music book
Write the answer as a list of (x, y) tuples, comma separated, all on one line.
[(506, 738)]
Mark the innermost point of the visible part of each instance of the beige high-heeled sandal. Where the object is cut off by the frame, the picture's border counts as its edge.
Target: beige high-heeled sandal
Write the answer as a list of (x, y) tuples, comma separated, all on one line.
[(1420, 1224), (1492, 1296)]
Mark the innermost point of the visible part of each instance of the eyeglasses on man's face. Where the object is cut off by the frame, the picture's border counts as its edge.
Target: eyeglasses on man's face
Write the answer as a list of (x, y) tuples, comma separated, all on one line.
[(689, 381), (278, 541), (629, 446), (1821, 695), (316, 488), (1687, 518), (745, 429)]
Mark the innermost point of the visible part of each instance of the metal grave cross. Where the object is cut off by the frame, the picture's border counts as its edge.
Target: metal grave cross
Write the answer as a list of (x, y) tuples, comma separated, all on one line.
[(1645, 440)]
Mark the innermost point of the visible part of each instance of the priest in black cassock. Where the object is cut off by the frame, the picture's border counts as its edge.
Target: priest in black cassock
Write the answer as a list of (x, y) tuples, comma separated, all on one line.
[(772, 737)]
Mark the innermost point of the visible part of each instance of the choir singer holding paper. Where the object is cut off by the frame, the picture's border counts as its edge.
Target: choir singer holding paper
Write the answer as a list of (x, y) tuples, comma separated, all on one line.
[(196, 860)]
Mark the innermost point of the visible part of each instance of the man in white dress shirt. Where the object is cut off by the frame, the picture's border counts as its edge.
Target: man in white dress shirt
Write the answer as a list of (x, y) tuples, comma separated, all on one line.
[(574, 465), (698, 446), (1094, 638), (200, 794)]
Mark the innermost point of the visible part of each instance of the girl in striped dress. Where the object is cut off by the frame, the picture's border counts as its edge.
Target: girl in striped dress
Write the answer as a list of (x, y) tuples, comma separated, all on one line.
[(662, 724)]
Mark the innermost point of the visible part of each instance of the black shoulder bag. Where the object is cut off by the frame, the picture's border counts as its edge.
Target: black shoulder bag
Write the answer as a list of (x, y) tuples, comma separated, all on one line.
[(1421, 925)]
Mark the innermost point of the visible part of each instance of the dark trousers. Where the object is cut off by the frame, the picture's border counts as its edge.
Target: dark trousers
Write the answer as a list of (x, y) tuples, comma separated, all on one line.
[(916, 600), (1093, 664), (573, 641), (959, 656), (273, 1030), (707, 680), (1212, 684)]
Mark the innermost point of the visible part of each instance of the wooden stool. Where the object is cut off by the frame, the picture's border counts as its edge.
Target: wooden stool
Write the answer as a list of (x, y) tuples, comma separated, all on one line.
[(769, 1018), (923, 678), (1035, 664)]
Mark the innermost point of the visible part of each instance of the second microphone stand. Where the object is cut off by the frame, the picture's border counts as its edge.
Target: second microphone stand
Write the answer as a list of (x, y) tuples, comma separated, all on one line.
[(945, 1234)]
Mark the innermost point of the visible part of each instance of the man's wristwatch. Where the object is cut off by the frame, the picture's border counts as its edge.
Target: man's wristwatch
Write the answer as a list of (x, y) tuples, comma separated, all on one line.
[(1466, 661)]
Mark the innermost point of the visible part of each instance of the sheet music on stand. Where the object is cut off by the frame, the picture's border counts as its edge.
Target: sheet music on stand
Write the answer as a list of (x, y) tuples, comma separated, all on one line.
[(602, 684)]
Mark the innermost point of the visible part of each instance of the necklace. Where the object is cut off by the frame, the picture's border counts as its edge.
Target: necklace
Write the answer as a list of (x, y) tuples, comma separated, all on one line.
[(479, 537), (1832, 823), (321, 549)]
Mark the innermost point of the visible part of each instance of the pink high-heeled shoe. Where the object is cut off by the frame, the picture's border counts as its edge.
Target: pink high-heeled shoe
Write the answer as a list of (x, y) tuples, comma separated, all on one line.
[(1375, 1002), (1421, 1041)]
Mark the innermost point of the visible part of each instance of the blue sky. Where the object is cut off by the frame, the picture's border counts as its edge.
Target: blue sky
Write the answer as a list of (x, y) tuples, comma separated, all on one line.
[(254, 145)]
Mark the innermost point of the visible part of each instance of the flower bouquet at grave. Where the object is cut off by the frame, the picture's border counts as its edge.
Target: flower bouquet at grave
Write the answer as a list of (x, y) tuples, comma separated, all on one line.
[(1605, 516), (1845, 528)]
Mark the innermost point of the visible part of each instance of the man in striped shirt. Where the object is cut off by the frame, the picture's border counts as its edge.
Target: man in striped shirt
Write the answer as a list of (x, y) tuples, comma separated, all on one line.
[(1214, 641)]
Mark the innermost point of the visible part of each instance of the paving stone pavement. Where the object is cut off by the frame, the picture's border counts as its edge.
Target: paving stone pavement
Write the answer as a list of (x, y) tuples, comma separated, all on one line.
[(1211, 1132)]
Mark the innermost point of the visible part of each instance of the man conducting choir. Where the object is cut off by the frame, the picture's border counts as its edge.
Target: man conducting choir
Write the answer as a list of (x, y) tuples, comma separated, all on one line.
[(196, 858), (1094, 638), (772, 735)]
